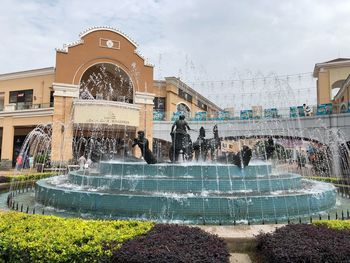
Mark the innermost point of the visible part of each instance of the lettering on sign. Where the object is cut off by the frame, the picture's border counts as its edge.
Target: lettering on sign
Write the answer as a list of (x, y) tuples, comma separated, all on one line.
[(106, 115)]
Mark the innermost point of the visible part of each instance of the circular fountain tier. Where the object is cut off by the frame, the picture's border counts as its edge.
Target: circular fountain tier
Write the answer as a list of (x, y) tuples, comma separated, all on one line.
[(197, 193)]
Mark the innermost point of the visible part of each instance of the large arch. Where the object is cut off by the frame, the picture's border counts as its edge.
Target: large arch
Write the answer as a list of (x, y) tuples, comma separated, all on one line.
[(106, 81), (99, 45)]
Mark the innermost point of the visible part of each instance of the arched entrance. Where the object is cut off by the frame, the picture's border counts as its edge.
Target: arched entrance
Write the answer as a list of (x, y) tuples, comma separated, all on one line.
[(101, 81), (106, 81)]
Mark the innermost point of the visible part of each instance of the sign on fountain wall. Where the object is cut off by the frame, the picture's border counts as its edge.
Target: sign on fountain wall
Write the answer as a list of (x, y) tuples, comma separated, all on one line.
[(106, 113)]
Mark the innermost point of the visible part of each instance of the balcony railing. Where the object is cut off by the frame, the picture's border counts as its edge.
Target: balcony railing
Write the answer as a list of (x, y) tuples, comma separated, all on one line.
[(260, 113), (25, 106), (30, 106)]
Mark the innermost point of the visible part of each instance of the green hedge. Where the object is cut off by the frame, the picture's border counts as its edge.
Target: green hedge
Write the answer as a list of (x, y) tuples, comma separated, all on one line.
[(36, 238), (25, 177), (335, 224)]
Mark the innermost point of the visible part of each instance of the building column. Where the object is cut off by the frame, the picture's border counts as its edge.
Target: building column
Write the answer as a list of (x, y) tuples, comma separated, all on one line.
[(8, 133), (62, 127), (323, 87), (145, 101)]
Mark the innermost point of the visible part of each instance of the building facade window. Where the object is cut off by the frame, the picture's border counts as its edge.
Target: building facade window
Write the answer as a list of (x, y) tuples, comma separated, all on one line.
[(185, 95), (159, 103), (202, 105), (159, 109), (51, 98), (22, 98)]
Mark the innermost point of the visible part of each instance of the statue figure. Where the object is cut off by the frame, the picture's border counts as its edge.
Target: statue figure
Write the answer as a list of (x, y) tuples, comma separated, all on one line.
[(200, 146), (181, 126), (202, 132), (215, 143), (269, 148), (181, 140), (143, 143), (216, 132), (241, 158)]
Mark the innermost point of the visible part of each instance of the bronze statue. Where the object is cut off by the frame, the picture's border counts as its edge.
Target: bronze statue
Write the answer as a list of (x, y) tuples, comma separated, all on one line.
[(241, 158), (143, 143), (181, 125), (181, 140), (200, 146), (269, 148)]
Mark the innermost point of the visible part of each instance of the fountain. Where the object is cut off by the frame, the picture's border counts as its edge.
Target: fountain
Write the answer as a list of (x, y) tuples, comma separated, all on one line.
[(186, 192), (217, 192), (222, 189)]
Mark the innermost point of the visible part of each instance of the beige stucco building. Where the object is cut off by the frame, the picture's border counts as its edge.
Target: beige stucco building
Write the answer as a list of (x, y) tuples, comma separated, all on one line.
[(333, 83), (101, 79)]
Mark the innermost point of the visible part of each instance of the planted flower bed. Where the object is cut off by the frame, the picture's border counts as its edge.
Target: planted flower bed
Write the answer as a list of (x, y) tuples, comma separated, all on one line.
[(173, 243), (306, 243), (37, 238)]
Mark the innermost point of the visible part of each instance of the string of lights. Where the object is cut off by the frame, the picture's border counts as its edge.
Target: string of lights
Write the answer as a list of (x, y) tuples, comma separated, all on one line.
[(267, 91), (268, 77)]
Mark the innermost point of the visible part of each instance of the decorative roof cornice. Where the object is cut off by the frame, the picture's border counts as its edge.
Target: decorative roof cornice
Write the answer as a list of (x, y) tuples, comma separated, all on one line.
[(28, 73), (143, 58), (330, 64), (98, 28), (108, 28), (66, 46)]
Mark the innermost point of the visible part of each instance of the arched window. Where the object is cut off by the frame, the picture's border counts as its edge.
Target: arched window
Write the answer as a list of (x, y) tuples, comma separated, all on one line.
[(343, 108), (184, 109), (336, 86), (106, 81)]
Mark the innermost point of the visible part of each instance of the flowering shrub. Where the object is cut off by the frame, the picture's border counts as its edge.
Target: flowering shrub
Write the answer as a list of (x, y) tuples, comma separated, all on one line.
[(305, 243), (173, 243), (36, 238)]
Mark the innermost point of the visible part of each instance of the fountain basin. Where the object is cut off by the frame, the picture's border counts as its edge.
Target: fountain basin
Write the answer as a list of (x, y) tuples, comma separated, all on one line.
[(186, 184), (202, 170), (208, 208), (190, 197)]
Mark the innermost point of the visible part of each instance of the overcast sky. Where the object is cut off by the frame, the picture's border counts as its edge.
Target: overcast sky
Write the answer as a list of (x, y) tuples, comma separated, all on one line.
[(193, 39)]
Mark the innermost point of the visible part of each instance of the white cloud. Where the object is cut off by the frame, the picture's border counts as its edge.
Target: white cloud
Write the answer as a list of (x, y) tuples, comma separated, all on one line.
[(196, 39)]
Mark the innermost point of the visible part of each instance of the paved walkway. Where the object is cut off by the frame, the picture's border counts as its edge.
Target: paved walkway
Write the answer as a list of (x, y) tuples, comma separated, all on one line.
[(240, 239), (240, 231), (239, 258)]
